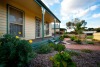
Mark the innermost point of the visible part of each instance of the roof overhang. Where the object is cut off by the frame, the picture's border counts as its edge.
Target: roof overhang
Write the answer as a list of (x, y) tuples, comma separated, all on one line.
[(40, 3)]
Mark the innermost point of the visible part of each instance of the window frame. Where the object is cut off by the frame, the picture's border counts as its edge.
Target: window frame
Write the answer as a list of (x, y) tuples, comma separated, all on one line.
[(8, 23), (47, 28), (39, 19)]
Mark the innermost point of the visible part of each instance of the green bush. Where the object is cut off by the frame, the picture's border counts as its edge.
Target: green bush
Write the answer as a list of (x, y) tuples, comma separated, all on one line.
[(90, 42), (44, 49), (15, 52), (61, 38), (78, 41), (52, 45), (59, 47), (72, 53), (62, 59), (72, 38), (65, 35)]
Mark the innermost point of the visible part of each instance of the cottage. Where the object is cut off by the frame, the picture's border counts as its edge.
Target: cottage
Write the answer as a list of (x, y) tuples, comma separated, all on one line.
[(29, 19)]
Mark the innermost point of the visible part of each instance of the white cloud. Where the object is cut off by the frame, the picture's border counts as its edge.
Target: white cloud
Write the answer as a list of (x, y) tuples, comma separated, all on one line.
[(96, 15), (76, 8), (94, 7), (50, 2)]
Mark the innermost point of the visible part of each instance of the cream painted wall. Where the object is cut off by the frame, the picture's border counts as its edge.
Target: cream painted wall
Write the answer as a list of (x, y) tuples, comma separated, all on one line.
[(29, 20), (3, 24)]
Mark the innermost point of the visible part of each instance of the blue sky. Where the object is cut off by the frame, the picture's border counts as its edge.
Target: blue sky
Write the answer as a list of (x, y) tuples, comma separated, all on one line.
[(66, 10)]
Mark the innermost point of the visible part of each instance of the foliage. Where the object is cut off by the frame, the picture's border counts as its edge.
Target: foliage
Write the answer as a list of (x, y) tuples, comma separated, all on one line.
[(68, 24), (44, 49), (89, 37), (62, 59), (65, 35), (61, 38), (72, 38), (15, 52), (52, 45), (90, 42), (98, 29), (59, 47), (90, 29), (72, 32), (78, 26), (78, 41), (86, 50), (72, 53), (98, 64)]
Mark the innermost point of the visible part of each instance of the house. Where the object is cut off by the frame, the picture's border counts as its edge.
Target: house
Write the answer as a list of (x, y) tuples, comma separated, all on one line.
[(29, 19), (59, 30), (89, 32), (55, 28)]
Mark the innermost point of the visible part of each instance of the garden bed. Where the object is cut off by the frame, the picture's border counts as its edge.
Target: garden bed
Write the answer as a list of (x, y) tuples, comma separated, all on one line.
[(91, 59), (42, 60), (84, 59), (87, 42)]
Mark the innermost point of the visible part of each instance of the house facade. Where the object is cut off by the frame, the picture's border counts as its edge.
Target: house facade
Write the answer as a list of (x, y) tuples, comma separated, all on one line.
[(29, 19)]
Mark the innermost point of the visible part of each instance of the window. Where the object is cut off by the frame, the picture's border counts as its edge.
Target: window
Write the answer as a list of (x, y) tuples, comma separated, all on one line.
[(15, 20), (47, 28), (37, 30)]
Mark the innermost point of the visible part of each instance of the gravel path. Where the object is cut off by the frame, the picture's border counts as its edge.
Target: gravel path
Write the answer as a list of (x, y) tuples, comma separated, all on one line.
[(83, 60)]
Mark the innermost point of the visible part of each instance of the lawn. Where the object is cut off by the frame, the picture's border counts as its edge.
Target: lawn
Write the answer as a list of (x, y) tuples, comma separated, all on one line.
[(89, 37)]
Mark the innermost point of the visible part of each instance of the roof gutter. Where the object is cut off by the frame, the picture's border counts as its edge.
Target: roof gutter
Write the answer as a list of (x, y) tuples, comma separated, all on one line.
[(40, 3)]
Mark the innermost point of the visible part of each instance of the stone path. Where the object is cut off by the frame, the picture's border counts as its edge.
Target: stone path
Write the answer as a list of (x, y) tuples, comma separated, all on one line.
[(78, 46)]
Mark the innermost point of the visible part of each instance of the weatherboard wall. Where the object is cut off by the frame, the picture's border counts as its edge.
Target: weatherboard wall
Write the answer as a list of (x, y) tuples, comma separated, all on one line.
[(29, 19)]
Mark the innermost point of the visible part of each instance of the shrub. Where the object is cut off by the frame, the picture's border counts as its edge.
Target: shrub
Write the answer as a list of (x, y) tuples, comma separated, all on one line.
[(72, 38), (86, 50), (15, 52), (90, 42), (78, 41), (44, 49), (52, 45), (65, 35), (61, 38), (59, 47), (62, 59), (72, 53)]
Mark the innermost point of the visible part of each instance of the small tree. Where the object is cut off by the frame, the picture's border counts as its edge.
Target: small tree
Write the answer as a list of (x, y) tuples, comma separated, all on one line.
[(77, 25)]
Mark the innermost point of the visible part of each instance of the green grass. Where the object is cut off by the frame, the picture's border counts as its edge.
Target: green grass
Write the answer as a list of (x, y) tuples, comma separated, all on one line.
[(90, 42), (86, 50), (89, 37)]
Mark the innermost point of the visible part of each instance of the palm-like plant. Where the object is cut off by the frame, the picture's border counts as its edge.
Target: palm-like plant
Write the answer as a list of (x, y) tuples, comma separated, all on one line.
[(78, 27)]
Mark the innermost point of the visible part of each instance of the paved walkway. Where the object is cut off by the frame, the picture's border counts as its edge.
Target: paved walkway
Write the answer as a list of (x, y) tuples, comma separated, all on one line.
[(73, 46), (90, 47)]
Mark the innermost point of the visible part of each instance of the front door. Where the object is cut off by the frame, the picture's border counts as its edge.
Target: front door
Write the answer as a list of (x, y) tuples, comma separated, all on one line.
[(37, 30)]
